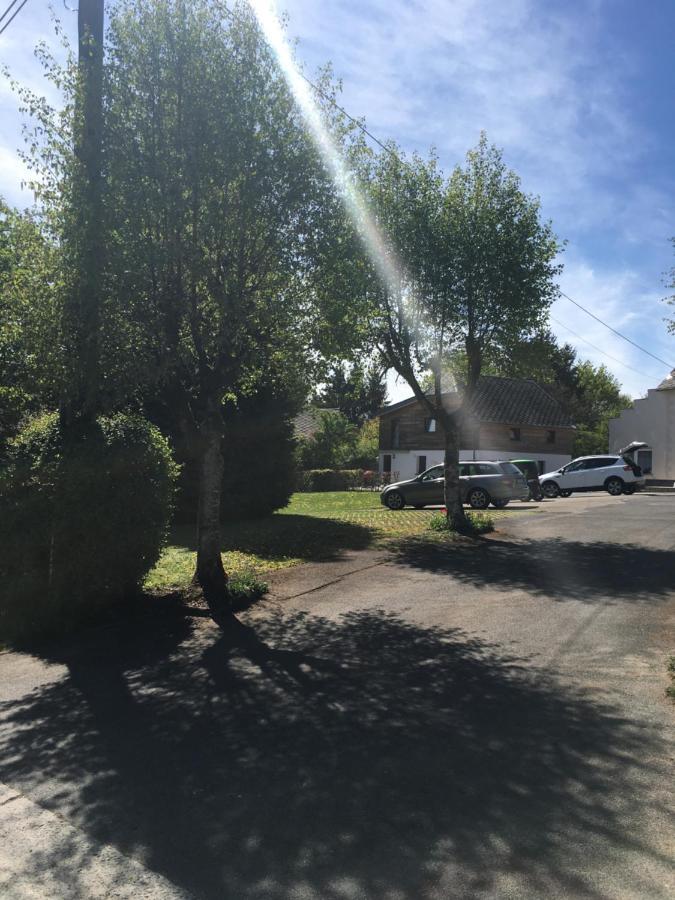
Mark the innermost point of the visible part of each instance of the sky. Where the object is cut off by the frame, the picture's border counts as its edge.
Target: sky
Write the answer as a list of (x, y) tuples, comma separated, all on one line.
[(579, 94)]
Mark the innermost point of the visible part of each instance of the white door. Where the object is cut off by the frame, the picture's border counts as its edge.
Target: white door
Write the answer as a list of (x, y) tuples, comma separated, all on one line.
[(573, 476)]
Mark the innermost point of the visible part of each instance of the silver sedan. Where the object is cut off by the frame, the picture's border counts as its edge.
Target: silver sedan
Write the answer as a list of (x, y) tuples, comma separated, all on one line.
[(481, 483)]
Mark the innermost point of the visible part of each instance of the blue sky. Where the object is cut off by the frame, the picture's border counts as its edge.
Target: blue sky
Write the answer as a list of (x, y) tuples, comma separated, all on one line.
[(580, 95)]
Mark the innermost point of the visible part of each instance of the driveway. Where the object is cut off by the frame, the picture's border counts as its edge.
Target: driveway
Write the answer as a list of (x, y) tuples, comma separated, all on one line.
[(467, 722)]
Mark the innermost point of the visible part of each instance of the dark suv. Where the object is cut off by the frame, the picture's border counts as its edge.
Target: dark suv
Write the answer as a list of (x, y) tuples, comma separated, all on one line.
[(481, 483)]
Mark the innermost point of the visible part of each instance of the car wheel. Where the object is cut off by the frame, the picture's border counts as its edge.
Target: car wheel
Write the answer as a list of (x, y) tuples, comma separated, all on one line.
[(394, 500), (629, 489), (565, 493), (478, 498), (614, 486), (500, 504), (550, 489)]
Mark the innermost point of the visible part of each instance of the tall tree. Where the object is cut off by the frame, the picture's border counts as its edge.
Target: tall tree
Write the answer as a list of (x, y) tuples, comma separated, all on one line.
[(475, 273), (213, 189), (358, 391)]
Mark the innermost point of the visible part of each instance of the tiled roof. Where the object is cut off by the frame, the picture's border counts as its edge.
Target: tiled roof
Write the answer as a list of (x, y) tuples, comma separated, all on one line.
[(510, 401), (517, 401), (307, 422)]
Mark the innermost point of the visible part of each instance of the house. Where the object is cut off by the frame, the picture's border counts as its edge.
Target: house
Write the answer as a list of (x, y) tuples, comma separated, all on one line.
[(652, 420), (509, 418)]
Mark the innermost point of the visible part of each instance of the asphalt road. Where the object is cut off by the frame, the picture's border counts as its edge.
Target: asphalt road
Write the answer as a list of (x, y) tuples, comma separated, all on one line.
[(464, 723)]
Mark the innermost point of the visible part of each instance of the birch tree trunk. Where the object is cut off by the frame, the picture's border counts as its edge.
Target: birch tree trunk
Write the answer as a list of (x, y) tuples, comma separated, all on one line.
[(210, 574), (453, 497)]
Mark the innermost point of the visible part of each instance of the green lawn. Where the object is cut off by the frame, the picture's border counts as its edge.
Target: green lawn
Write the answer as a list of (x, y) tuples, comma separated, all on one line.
[(312, 527)]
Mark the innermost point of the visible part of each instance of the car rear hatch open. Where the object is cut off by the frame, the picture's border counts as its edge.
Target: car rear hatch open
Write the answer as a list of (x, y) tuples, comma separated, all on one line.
[(628, 459)]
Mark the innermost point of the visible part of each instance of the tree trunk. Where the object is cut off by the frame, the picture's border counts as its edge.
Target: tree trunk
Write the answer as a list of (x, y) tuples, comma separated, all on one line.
[(453, 497), (210, 574)]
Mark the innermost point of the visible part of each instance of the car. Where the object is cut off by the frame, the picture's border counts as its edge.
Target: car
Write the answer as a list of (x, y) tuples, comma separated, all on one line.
[(482, 482), (615, 473)]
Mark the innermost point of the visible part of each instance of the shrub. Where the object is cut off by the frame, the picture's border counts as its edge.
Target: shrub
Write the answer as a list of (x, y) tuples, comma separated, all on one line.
[(84, 514), (322, 480), (245, 589), (481, 523)]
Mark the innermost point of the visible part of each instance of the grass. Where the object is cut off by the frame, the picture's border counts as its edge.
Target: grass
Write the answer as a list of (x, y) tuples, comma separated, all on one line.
[(314, 526), (670, 690)]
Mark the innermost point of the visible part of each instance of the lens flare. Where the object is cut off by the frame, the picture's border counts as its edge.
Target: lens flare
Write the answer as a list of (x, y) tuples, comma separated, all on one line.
[(378, 248)]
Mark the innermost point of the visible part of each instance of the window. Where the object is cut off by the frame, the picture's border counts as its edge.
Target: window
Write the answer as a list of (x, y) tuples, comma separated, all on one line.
[(514, 434), (550, 437), (483, 469), (644, 460), (436, 472), (463, 470), (421, 464), (386, 463), (395, 433), (430, 426)]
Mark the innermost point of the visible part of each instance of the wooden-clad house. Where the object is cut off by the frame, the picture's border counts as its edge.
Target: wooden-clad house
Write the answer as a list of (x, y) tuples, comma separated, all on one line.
[(509, 418)]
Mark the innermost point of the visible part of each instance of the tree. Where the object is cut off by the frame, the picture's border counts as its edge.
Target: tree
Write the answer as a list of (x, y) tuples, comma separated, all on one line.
[(213, 187), (473, 272), (333, 444), (29, 355), (598, 399), (358, 391)]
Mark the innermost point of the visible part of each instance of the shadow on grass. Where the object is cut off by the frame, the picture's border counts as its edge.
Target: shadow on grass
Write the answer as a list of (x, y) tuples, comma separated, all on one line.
[(366, 758), (304, 537), (557, 568)]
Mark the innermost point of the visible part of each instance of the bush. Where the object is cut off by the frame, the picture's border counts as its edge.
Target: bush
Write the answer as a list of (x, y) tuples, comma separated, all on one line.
[(322, 480), (83, 516), (260, 470), (481, 523)]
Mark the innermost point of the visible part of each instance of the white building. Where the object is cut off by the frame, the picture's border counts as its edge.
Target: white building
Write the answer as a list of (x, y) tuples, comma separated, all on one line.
[(651, 419)]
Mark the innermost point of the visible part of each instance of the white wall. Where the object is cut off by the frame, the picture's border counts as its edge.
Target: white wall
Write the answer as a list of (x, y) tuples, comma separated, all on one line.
[(404, 462), (651, 419)]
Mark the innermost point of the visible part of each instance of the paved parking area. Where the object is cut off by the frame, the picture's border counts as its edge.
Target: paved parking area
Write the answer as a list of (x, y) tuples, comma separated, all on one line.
[(472, 721)]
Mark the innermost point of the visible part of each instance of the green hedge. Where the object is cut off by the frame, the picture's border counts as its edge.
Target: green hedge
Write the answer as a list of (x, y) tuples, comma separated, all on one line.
[(83, 517), (331, 480)]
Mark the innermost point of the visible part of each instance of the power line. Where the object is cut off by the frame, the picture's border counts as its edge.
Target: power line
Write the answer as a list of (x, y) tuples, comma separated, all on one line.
[(13, 3), (334, 103), (13, 16), (402, 162), (598, 319), (599, 349)]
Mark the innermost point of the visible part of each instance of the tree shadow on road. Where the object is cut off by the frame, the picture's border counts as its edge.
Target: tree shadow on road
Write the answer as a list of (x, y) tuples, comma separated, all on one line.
[(561, 569), (365, 758)]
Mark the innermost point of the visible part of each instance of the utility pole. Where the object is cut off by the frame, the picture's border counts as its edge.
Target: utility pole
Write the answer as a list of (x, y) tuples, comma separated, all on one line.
[(82, 312)]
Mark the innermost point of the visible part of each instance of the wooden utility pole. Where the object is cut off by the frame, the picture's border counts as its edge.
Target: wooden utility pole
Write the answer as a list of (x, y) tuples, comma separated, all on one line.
[(82, 313)]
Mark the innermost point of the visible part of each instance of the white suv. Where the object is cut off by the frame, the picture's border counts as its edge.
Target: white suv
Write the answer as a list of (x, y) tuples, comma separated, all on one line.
[(615, 473)]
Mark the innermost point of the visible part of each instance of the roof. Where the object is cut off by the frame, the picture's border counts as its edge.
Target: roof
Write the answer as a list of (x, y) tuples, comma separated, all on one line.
[(509, 401), (668, 383), (307, 422)]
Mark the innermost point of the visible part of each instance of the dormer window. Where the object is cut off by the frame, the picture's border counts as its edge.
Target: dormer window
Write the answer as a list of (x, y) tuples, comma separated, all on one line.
[(430, 426)]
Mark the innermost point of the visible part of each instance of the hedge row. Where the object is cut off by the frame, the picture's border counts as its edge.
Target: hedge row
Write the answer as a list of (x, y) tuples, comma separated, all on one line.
[(337, 479)]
